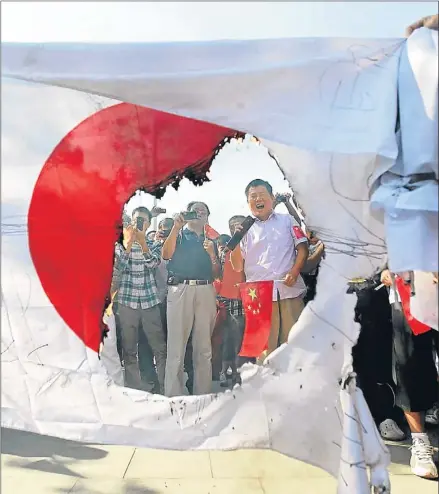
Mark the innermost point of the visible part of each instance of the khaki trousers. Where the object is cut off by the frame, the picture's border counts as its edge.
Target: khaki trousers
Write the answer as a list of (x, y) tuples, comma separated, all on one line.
[(284, 316), (190, 308)]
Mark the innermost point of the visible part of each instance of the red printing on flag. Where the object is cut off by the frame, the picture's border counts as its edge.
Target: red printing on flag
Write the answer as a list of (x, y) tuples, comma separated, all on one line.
[(404, 292), (298, 233), (257, 303)]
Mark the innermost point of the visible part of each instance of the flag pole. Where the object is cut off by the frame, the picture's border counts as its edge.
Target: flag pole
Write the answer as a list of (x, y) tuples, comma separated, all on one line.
[(154, 220)]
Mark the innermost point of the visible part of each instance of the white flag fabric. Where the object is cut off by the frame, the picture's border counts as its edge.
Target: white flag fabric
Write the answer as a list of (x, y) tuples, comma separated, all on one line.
[(327, 108)]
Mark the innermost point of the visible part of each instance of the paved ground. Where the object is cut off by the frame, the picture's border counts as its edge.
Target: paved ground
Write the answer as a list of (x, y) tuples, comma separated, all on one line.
[(42, 465)]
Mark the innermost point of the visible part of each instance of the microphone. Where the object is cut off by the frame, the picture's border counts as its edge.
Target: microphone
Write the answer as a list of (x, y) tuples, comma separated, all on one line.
[(239, 235)]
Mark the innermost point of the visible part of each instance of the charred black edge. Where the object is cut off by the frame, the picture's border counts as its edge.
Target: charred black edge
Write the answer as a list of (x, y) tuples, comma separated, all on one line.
[(196, 173)]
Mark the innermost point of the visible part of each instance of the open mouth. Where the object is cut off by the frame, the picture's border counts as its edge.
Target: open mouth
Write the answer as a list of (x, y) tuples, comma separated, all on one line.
[(260, 207)]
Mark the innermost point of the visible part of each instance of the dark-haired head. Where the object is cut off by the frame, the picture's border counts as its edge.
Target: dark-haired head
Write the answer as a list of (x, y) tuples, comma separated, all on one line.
[(151, 235), (260, 198), (141, 211), (223, 239), (166, 224), (258, 182), (192, 204), (234, 221), (202, 211)]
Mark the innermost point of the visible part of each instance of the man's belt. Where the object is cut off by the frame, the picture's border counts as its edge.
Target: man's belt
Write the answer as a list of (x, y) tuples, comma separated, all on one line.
[(174, 280), (196, 282)]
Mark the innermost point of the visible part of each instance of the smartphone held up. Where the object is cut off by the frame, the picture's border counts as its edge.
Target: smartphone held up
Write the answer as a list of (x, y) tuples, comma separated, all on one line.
[(189, 215), (140, 223)]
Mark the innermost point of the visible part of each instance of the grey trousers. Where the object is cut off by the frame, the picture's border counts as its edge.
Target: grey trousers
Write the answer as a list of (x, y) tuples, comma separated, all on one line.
[(190, 308), (151, 324)]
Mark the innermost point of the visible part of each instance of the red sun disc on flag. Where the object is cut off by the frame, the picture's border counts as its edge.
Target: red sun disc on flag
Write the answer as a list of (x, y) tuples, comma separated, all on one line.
[(77, 202)]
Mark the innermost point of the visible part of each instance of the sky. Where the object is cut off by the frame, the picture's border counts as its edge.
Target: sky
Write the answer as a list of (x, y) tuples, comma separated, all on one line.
[(195, 21)]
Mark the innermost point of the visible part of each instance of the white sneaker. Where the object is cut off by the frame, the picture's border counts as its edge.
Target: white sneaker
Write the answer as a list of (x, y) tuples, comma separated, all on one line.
[(432, 415), (421, 462), (389, 430)]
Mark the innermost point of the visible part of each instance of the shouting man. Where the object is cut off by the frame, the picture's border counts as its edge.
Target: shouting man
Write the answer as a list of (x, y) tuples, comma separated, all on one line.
[(275, 248)]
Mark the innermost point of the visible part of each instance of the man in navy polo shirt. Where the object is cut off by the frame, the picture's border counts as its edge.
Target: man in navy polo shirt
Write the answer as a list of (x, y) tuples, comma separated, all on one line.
[(191, 305)]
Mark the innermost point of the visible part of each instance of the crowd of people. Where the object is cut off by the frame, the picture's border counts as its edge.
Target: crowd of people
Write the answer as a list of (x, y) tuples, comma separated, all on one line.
[(180, 286), (180, 320)]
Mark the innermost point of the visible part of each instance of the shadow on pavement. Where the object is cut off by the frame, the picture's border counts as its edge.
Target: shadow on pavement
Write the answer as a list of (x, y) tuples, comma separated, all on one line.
[(28, 444), (56, 454), (128, 487)]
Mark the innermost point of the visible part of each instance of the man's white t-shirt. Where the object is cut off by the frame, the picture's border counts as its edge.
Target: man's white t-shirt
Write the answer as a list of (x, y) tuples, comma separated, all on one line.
[(269, 252)]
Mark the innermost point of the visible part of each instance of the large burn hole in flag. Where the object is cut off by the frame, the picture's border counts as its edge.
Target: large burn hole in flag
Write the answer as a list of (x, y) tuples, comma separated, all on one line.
[(236, 163), (83, 187)]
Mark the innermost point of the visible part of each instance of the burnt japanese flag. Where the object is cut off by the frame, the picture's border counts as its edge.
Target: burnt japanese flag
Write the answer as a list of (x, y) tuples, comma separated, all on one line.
[(85, 126)]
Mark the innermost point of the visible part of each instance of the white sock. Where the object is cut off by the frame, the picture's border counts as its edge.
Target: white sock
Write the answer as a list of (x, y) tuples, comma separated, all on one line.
[(420, 435)]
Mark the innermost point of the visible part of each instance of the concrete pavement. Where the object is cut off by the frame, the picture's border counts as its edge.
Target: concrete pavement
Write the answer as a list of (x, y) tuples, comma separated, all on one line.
[(43, 465)]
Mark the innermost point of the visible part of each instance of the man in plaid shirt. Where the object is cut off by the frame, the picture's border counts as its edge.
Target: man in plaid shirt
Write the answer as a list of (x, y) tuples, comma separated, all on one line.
[(138, 298)]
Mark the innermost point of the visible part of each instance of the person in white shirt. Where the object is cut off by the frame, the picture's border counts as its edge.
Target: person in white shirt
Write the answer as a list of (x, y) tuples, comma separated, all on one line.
[(275, 248)]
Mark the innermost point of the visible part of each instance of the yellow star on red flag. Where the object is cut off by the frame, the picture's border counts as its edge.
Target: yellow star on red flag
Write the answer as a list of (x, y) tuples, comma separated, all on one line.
[(252, 293)]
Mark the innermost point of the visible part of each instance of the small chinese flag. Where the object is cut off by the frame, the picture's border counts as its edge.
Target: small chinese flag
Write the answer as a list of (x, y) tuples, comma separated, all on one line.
[(217, 285), (257, 303), (210, 233), (404, 292)]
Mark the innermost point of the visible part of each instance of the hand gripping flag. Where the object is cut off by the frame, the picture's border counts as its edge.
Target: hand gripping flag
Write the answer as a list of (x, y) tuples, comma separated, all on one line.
[(210, 233), (257, 303)]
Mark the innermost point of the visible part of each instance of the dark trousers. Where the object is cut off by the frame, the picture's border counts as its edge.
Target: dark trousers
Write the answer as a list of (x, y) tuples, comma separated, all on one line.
[(372, 355), (163, 312), (310, 281), (147, 369), (233, 334), (414, 367)]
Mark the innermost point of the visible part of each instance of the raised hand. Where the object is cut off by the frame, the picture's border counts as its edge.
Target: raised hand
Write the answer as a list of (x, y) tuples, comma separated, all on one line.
[(386, 278), (430, 21), (179, 221), (209, 247)]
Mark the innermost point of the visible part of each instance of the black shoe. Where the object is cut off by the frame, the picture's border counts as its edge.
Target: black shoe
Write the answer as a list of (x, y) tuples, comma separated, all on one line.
[(223, 380)]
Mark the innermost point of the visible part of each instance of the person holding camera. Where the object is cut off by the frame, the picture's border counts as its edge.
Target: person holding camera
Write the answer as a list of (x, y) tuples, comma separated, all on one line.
[(274, 248), (165, 227), (161, 274), (191, 305), (138, 299)]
